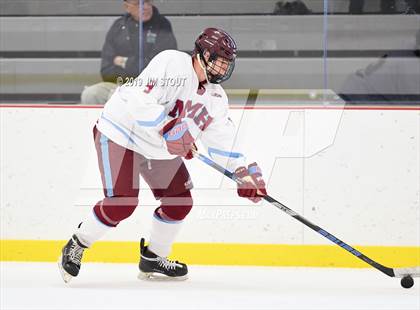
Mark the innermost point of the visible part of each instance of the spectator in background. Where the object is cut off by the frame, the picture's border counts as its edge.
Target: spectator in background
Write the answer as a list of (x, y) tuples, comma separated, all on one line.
[(413, 6), (393, 78), (291, 8), (387, 6), (120, 53)]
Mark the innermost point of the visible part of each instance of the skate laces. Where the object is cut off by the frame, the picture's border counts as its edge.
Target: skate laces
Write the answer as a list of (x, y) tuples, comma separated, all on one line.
[(166, 263), (75, 253)]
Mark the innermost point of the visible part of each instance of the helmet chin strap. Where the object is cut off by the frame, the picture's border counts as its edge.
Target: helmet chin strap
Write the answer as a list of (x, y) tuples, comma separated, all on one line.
[(202, 67)]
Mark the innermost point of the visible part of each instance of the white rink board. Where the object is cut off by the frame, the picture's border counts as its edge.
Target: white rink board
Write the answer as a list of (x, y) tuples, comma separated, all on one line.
[(353, 172)]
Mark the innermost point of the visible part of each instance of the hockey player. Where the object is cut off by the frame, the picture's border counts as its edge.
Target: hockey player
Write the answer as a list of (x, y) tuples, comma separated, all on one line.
[(146, 128)]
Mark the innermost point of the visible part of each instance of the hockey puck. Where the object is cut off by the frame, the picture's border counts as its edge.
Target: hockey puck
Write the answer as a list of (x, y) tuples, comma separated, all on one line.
[(407, 282)]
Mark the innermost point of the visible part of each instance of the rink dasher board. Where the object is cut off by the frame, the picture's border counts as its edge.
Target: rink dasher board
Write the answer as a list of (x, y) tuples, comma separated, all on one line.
[(374, 172)]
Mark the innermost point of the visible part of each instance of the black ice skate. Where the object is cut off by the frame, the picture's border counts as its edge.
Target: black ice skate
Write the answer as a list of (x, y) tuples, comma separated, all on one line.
[(153, 267), (70, 259)]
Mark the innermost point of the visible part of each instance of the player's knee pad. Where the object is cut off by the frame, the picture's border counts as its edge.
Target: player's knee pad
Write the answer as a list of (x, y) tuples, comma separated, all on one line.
[(113, 210), (176, 208)]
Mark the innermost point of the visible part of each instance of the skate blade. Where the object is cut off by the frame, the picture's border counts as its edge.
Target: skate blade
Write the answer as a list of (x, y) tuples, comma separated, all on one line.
[(155, 276), (64, 274)]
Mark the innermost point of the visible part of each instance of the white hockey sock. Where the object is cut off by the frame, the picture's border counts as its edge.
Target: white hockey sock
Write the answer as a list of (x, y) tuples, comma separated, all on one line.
[(163, 235), (91, 230)]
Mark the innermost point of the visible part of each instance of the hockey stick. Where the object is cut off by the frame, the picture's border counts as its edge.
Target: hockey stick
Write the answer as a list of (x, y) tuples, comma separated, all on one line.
[(392, 272)]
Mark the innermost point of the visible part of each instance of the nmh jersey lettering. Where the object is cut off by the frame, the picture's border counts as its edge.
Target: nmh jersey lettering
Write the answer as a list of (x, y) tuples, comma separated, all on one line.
[(197, 112)]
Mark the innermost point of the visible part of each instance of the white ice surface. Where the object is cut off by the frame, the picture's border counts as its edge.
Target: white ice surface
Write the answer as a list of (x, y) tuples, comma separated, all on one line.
[(115, 286)]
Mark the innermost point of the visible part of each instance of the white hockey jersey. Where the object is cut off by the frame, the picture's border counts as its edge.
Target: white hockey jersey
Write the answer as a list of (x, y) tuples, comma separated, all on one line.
[(168, 88)]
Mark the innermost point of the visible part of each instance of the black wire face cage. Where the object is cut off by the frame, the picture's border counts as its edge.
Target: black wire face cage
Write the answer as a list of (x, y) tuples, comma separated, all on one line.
[(219, 69)]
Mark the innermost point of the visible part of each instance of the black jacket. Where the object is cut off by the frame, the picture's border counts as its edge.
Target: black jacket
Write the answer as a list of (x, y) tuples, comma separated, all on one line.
[(123, 40)]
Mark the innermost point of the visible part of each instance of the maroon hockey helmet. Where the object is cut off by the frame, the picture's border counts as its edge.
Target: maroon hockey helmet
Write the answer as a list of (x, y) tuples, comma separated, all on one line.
[(222, 50)]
